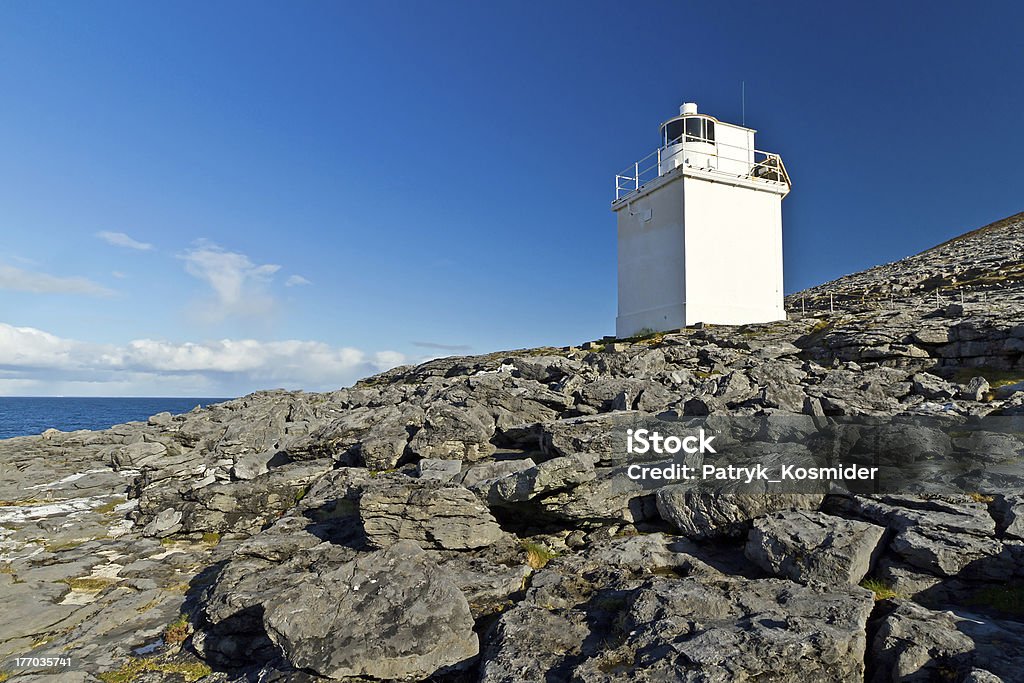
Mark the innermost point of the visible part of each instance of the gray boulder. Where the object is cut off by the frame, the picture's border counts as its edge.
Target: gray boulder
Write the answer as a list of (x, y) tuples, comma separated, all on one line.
[(948, 554), (734, 629), (1011, 509), (479, 477), (164, 523), (680, 629), (457, 433), (428, 513), (975, 389), (612, 497), (551, 475), (934, 388), (252, 465), (813, 547), (705, 512), (391, 615), (531, 643), (918, 644), (441, 470)]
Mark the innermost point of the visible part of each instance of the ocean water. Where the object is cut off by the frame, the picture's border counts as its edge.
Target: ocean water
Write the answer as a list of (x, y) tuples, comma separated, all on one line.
[(25, 415)]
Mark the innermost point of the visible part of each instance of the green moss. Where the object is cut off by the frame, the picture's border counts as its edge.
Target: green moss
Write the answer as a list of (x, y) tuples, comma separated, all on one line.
[(88, 583), (4, 675), (211, 538), (995, 378), (133, 668), (110, 505), (881, 589), (301, 493), (819, 326), (24, 502)]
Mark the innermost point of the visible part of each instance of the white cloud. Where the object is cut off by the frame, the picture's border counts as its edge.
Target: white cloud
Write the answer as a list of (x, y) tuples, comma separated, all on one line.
[(119, 239), (21, 280), (239, 285), (37, 362), (296, 281)]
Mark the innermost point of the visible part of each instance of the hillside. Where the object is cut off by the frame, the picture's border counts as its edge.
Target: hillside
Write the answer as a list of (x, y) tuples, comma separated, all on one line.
[(975, 264), (475, 518)]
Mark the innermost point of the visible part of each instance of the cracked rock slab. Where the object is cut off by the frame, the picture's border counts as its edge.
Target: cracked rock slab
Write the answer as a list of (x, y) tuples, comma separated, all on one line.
[(435, 516), (813, 547), (391, 615)]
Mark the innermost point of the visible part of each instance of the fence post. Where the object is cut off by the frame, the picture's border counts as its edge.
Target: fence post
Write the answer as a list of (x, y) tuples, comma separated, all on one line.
[(831, 303), (803, 305)]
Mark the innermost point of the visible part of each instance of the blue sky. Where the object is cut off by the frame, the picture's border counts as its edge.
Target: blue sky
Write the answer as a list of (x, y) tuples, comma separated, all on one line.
[(211, 198)]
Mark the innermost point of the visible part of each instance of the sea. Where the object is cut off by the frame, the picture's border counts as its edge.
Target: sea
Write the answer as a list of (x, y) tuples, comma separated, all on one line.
[(25, 415)]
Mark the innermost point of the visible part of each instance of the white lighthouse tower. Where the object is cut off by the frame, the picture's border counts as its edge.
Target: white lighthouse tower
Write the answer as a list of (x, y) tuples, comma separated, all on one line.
[(700, 229)]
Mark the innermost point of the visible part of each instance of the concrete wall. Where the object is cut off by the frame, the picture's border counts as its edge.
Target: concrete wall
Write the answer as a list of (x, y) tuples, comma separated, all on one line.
[(652, 251), (733, 249), (693, 250), (735, 148)]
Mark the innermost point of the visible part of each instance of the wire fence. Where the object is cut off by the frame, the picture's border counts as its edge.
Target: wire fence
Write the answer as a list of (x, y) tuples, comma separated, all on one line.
[(845, 301)]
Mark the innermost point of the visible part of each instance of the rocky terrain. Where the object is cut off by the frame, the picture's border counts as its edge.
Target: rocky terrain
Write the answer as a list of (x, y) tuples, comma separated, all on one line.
[(471, 519), (985, 262)]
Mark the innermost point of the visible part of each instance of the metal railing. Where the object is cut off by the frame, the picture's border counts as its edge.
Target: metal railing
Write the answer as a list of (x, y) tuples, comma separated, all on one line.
[(766, 166), (831, 302)]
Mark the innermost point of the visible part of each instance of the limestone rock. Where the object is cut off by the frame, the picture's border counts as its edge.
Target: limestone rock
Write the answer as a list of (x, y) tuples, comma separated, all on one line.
[(813, 547), (441, 470), (551, 475), (417, 620), (704, 512), (435, 516), (454, 433), (917, 644)]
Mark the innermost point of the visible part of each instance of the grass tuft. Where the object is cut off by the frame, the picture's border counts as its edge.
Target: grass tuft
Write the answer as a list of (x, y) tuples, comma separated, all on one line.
[(134, 668), (110, 505), (537, 554), (881, 589), (177, 631)]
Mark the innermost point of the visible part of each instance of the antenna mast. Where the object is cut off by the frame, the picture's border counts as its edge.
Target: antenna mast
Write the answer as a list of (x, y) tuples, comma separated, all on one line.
[(743, 101)]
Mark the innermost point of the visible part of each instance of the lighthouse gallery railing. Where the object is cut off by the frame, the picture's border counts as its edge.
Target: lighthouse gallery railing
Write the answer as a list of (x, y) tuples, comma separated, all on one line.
[(766, 167)]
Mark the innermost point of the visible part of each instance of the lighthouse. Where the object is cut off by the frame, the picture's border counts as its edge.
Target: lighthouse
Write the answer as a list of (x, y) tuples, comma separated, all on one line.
[(700, 229)]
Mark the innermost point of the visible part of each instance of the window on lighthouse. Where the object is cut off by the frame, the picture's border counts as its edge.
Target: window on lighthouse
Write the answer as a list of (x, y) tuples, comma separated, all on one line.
[(673, 131), (690, 129), (699, 130)]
